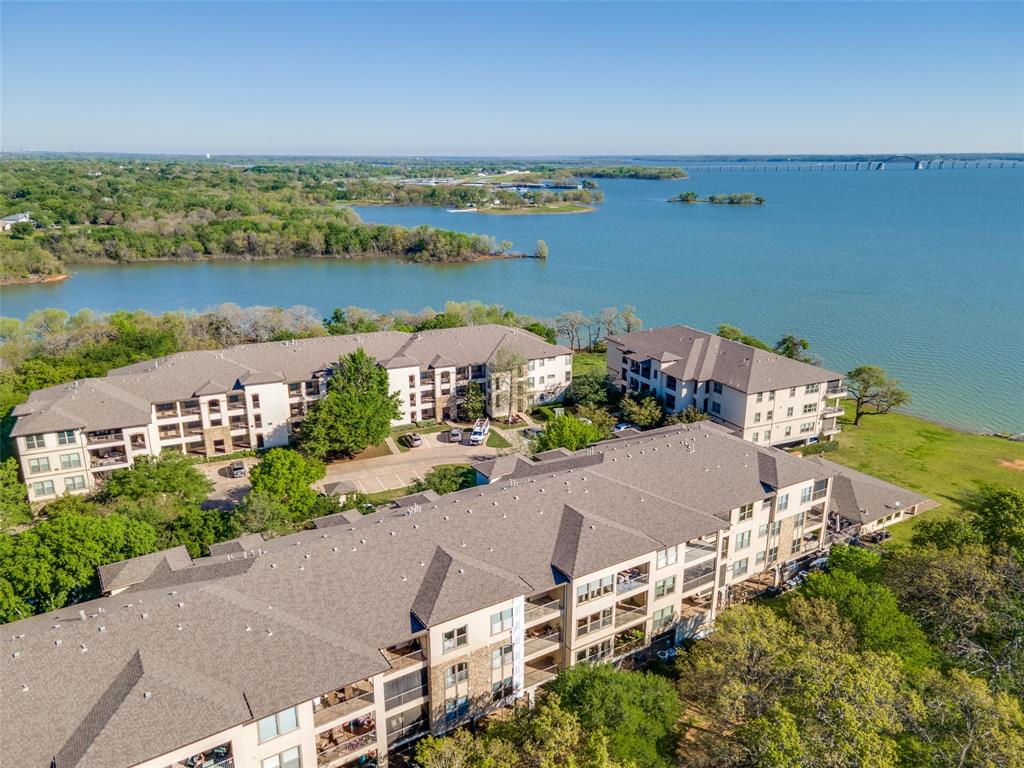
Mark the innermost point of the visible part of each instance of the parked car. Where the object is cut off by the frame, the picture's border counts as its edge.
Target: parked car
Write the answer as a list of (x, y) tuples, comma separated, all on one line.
[(415, 440), (532, 433), (455, 435), (237, 469), (625, 425)]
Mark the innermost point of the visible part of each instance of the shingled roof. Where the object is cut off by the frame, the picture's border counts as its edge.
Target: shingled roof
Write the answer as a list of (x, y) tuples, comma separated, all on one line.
[(862, 498), (224, 641), (691, 354)]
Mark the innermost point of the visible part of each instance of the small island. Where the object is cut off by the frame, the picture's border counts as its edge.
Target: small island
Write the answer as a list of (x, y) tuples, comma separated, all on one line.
[(734, 198)]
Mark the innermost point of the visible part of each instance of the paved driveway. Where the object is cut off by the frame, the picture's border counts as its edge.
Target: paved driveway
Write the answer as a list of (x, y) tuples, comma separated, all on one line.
[(399, 470), (227, 491)]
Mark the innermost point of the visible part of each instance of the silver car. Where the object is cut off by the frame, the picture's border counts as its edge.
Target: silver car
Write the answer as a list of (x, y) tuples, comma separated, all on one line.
[(455, 435)]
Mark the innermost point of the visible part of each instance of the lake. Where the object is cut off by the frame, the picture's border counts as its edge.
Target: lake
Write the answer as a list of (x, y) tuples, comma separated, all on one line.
[(921, 272)]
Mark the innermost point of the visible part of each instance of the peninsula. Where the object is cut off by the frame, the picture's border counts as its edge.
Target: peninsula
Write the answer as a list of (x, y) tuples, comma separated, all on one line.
[(734, 198)]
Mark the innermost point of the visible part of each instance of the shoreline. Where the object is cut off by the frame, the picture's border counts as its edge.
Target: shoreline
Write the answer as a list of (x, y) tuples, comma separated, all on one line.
[(490, 211), (34, 279)]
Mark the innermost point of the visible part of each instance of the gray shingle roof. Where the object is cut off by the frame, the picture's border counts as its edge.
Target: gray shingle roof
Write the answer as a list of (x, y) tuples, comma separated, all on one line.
[(311, 613), (688, 353), (862, 498), (123, 398)]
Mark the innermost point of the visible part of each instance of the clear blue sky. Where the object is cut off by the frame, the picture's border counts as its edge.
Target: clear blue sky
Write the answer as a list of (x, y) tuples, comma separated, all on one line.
[(512, 78)]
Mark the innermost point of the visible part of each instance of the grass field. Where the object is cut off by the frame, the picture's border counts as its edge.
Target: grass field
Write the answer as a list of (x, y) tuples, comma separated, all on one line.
[(588, 362), (933, 460), (497, 440)]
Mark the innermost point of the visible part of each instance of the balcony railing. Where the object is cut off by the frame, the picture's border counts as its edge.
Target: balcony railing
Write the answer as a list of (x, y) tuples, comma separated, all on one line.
[(593, 626), (546, 642), (343, 707), (629, 583), (99, 438), (628, 614), (407, 732), (335, 754), (405, 657), (698, 582), (698, 551), (837, 391), (404, 698), (538, 675), (537, 611), (108, 460)]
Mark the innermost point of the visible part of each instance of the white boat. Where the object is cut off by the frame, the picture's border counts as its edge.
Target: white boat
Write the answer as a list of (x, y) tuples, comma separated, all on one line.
[(469, 209)]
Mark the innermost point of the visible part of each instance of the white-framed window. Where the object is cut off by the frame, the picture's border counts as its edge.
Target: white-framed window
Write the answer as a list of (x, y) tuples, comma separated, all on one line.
[(810, 389), (759, 558), (740, 567), (810, 408), (805, 494), (595, 589), (789, 411), (807, 426), (767, 435), (290, 758), (595, 621), (70, 460), (67, 437), (795, 546), (595, 652), (755, 436), (798, 521), (501, 657), (771, 395), (757, 417), (456, 708), (792, 391), (783, 503), (35, 441), (742, 539), (773, 554), (775, 528), (789, 431), (663, 618), (762, 530), (35, 466), (455, 674), (454, 638), (74, 483), (760, 397), (285, 721), (746, 512), (668, 556), (501, 621), (44, 488), (665, 586), (766, 505)]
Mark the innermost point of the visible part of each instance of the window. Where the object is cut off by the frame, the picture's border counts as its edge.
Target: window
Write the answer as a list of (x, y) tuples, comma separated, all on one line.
[(820, 489), (456, 708), (763, 530), (593, 622), (501, 621), (759, 558), (670, 402), (771, 396), (810, 408), (568, 376), (795, 546), (789, 431), (716, 408), (783, 503), (810, 389), (287, 759), (746, 512), (807, 426), (768, 415), (773, 554), (805, 494), (757, 418), (665, 586), (454, 638), (754, 436), (798, 521), (663, 618), (529, 382), (789, 411), (670, 382), (594, 589), (455, 674), (775, 528), (502, 689), (668, 556), (760, 397), (743, 540), (35, 466), (792, 391), (283, 722), (766, 505), (767, 435), (70, 460), (739, 567), (595, 652), (717, 387), (66, 438), (255, 401), (74, 483), (44, 488), (35, 441), (501, 657)]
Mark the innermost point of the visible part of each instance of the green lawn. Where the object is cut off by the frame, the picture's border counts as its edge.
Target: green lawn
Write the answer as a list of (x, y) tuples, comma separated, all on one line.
[(383, 497), (933, 460), (588, 362), (400, 433), (497, 440)]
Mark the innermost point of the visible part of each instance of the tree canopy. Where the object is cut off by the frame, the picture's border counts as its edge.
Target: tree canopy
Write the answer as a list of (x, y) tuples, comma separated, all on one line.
[(567, 431), (873, 391)]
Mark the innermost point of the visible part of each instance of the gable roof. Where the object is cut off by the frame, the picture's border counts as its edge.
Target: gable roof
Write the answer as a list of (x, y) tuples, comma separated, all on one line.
[(587, 543), (455, 585), (862, 498), (700, 356)]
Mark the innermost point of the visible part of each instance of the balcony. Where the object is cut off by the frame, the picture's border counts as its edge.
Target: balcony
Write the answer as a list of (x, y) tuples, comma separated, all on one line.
[(630, 641), (107, 460), (218, 757), (630, 580), (104, 437), (698, 551), (540, 671), (335, 745), (341, 702), (407, 732), (401, 699), (629, 614), (698, 577), (836, 390), (828, 431), (536, 611), (542, 639), (405, 655), (831, 412)]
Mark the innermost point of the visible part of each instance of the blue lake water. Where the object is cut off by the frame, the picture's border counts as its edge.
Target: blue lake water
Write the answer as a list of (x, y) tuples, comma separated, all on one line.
[(920, 272)]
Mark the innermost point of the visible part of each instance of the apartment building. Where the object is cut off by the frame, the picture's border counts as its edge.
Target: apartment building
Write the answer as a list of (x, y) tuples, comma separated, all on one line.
[(337, 645), (70, 436), (764, 397)]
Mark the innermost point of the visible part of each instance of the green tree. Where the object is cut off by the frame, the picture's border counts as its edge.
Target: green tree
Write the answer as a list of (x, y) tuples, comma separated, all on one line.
[(287, 477), (637, 711), (509, 373), (999, 515), (14, 506), (567, 431), (546, 332), (355, 413), (197, 529), (54, 563), (447, 478), (170, 477), (593, 389), (946, 533), (873, 391), (262, 512), (793, 347), (689, 415), (863, 563), (733, 333), (541, 251), (473, 404), (642, 410)]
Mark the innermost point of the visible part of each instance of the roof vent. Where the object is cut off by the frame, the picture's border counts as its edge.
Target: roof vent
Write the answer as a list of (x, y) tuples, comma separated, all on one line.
[(147, 695), (145, 615), (270, 633), (57, 642), (462, 570), (181, 605), (16, 654), (82, 648), (334, 549), (273, 565), (81, 614), (24, 688), (102, 628), (306, 556)]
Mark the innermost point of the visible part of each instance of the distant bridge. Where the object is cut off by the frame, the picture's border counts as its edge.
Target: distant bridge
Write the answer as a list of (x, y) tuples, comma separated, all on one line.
[(862, 165)]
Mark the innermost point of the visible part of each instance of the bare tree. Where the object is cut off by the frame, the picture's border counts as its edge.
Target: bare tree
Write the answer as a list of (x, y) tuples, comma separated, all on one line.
[(568, 324), (509, 368)]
